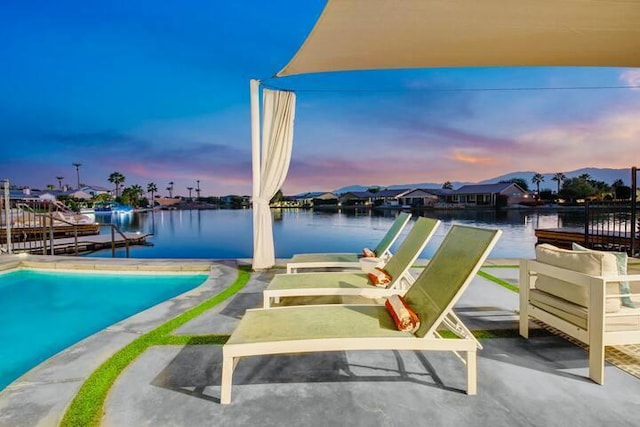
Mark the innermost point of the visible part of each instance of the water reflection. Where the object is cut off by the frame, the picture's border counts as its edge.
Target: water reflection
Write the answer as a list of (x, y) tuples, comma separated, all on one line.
[(217, 234)]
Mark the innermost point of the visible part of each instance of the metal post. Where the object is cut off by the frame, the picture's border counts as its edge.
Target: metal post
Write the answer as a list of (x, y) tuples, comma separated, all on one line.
[(7, 210), (113, 242), (51, 237), (75, 237), (586, 223), (634, 209)]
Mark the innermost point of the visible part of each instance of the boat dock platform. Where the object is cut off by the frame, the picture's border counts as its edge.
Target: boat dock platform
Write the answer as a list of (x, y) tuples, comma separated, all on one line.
[(59, 231), (83, 245), (564, 237)]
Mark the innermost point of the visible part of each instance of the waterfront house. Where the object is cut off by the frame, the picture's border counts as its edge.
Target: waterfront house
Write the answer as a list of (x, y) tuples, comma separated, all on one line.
[(502, 194), (423, 197), (234, 201), (387, 198), (357, 198), (95, 190), (315, 198), (24, 195)]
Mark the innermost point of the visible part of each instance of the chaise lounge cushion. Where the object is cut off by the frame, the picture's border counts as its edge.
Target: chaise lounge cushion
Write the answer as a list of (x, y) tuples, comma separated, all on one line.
[(588, 262)]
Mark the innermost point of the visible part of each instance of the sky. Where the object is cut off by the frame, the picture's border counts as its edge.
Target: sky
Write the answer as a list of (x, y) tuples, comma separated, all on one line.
[(159, 91)]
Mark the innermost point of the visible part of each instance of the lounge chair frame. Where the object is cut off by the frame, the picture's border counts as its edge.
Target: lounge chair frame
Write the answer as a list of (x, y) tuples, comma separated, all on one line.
[(357, 284), (349, 260), (373, 330)]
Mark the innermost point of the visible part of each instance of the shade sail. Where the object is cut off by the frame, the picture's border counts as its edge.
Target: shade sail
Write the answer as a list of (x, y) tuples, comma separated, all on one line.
[(385, 34)]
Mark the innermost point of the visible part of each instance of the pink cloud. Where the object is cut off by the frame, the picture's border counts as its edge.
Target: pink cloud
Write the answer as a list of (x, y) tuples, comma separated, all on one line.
[(467, 156), (630, 77)]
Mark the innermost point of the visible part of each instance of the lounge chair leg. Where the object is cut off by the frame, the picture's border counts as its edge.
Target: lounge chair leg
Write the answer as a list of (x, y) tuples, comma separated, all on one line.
[(228, 365), (266, 300), (472, 378)]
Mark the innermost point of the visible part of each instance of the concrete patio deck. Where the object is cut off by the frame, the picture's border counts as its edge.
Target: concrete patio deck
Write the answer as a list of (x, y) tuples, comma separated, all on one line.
[(536, 382)]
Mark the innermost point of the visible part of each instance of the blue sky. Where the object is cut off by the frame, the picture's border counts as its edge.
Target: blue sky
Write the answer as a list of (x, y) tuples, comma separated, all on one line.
[(159, 91)]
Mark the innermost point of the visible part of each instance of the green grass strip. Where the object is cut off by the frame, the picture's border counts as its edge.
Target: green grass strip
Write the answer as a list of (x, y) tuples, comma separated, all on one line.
[(483, 334), (498, 281), (87, 407)]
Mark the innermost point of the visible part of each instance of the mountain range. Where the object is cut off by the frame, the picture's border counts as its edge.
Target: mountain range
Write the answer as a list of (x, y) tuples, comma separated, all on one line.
[(598, 174)]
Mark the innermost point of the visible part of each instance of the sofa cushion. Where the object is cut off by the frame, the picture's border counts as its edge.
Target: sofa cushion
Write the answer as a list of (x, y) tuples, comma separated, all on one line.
[(588, 262), (622, 259)]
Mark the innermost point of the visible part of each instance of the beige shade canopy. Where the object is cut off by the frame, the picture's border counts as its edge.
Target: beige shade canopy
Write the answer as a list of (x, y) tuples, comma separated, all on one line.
[(385, 34)]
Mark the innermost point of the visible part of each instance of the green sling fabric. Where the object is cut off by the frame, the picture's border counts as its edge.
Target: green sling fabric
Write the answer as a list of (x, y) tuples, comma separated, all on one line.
[(447, 271)]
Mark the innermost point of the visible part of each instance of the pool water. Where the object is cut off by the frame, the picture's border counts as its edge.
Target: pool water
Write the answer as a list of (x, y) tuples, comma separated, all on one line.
[(44, 312)]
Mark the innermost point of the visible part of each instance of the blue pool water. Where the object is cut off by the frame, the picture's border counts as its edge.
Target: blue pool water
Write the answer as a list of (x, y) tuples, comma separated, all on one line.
[(43, 312)]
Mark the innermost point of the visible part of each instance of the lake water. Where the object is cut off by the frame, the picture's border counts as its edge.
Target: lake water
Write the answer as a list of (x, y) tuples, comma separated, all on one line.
[(216, 234)]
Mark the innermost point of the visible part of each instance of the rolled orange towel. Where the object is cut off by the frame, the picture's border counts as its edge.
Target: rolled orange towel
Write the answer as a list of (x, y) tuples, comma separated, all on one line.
[(368, 253), (405, 319), (379, 277)]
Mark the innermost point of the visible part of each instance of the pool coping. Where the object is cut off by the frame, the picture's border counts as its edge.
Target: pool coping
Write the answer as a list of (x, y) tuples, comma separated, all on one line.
[(41, 395)]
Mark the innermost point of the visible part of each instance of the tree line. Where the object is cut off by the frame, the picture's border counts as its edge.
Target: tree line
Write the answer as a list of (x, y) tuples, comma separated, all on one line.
[(571, 190)]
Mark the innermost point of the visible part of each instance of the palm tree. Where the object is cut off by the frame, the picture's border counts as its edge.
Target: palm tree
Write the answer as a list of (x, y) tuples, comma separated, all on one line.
[(170, 189), (559, 177), (537, 179), (152, 188), (77, 165), (116, 178), (136, 192), (189, 188), (60, 178)]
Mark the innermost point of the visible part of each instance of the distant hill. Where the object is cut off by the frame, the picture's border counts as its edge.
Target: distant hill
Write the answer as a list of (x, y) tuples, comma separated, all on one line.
[(599, 174)]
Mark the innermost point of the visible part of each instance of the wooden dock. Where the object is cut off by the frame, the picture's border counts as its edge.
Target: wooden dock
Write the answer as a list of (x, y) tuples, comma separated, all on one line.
[(563, 237), (85, 244), (30, 234)]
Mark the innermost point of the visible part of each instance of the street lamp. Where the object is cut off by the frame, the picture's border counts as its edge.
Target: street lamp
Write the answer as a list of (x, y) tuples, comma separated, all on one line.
[(77, 165)]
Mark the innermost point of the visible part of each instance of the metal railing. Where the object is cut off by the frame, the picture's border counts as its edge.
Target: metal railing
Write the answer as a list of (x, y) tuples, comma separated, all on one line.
[(613, 225), (36, 227)]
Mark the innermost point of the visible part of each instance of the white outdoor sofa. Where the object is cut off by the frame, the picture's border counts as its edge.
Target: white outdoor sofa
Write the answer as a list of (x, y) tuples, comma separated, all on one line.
[(579, 293)]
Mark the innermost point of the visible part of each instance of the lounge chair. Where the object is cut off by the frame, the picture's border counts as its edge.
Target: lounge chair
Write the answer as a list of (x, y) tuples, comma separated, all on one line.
[(349, 260), (321, 328), (356, 283)]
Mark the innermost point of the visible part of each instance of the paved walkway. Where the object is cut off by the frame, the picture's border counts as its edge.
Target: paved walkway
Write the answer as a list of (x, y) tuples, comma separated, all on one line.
[(536, 382)]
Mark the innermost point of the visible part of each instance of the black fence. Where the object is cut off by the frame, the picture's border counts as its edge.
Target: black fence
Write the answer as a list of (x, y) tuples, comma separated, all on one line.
[(614, 225)]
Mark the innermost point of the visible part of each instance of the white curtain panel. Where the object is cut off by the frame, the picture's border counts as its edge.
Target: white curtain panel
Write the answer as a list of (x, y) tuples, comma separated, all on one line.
[(277, 143)]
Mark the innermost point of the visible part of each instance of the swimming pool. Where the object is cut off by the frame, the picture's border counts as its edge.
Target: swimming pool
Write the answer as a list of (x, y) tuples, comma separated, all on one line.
[(43, 312)]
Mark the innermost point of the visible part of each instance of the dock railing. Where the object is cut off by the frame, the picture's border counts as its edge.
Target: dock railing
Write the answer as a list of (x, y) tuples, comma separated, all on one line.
[(610, 225), (613, 224), (36, 228)]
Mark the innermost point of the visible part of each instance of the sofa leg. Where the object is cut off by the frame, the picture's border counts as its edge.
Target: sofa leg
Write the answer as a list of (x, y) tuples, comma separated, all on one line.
[(597, 298), (596, 364), (228, 364)]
